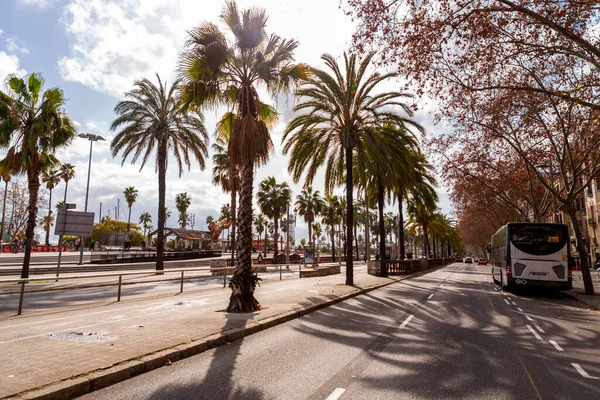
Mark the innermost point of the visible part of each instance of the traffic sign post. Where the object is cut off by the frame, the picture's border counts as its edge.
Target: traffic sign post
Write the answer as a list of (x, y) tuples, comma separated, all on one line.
[(76, 223)]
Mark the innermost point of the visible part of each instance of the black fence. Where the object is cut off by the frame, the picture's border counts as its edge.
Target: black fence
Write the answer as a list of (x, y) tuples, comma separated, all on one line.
[(136, 256)]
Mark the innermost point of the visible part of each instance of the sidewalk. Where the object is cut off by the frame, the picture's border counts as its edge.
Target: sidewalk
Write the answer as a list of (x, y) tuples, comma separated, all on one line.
[(578, 291), (73, 352)]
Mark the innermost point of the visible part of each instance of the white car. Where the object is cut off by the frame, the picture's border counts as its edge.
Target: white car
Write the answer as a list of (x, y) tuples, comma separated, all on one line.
[(468, 260)]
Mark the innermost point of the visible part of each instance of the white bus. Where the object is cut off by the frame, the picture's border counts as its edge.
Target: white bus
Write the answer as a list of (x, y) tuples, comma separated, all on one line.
[(531, 254)]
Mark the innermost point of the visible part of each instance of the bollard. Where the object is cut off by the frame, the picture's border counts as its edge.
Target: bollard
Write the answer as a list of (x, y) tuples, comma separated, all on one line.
[(181, 288), (280, 271), (19, 311), (119, 292)]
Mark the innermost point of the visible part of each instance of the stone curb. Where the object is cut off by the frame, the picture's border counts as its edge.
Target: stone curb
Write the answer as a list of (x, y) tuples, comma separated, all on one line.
[(101, 378), (579, 300)]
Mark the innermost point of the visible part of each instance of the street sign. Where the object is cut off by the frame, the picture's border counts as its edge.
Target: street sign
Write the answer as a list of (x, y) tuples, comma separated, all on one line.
[(75, 223), (71, 206)]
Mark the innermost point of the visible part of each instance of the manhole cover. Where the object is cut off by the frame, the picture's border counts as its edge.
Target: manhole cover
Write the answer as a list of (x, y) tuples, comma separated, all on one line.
[(86, 337)]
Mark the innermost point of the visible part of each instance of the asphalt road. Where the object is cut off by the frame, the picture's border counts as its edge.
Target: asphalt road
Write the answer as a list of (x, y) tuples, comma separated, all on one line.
[(450, 334)]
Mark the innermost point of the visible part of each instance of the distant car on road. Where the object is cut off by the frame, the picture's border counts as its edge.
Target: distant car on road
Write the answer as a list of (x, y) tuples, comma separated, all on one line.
[(468, 260), (458, 259), (482, 261)]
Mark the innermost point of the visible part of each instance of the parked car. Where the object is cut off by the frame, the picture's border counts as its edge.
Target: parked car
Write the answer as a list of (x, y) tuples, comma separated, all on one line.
[(482, 261), (468, 260), (458, 259)]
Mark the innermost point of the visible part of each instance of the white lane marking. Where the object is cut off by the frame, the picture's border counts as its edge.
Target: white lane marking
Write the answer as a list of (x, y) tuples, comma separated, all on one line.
[(520, 309), (430, 296), (336, 394), (406, 321), (442, 285), (528, 317), (582, 372), (513, 303), (509, 298), (539, 329), (507, 302), (537, 336), (556, 345)]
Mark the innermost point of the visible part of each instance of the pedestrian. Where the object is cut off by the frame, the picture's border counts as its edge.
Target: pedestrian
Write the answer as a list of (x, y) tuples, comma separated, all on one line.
[(15, 246), (143, 246), (77, 244), (92, 245), (259, 259), (23, 245)]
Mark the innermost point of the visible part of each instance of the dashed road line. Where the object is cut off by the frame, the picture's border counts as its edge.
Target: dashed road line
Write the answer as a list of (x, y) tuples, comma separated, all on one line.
[(507, 302), (520, 309), (528, 318), (513, 303), (406, 321), (556, 345), (539, 329), (336, 394), (582, 372), (430, 296), (537, 336)]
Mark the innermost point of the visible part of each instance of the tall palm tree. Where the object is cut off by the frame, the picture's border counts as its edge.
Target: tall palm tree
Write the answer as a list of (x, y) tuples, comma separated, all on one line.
[(420, 207), (182, 203), (146, 221), (309, 204), (260, 223), (336, 107), (67, 172), (272, 198), (33, 126), (153, 118), (131, 195), (330, 216), (217, 71), (51, 178), (6, 177)]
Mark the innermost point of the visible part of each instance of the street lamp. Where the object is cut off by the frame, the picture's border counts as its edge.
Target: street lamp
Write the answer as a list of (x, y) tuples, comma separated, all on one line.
[(549, 166), (92, 138)]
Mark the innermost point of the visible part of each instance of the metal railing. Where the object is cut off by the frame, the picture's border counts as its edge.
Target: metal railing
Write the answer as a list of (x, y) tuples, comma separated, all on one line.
[(225, 271), (124, 256)]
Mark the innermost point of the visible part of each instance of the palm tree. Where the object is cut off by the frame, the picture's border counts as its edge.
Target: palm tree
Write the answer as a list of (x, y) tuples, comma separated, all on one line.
[(309, 204), (330, 216), (131, 195), (67, 172), (51, 178), (217, 71), (260, 223), (420, 207), (338, 106), (317, 230), (145, 221), (153, 119), (33, 126), (6, 177), (272, 198), (182, 202)]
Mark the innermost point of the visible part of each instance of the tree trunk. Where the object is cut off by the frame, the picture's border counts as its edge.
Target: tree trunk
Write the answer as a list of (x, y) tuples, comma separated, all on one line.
[(275, 237), (426, 239), (162, 188), (367, 228), (356, 241), (244, 280), (128, 221), (265, 242), (309, 231), (33, 179), (332, 241), (583, 252), (349, 219), (49, 214), (380, 204), (401, 228), (3, 212), (233, 222)]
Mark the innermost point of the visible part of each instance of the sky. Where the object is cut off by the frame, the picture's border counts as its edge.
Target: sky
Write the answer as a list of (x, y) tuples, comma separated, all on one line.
[(95, 49)]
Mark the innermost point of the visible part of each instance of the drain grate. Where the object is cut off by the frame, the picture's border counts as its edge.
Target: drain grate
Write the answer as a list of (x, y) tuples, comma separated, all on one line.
[(85, 337)]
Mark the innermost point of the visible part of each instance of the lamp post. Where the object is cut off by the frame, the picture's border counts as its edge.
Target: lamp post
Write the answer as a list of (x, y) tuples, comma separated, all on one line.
[(287, 237), (92, 138), (549, 166)]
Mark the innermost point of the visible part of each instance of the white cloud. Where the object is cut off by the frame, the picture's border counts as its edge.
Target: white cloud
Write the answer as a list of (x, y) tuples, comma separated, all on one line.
[(15, 45), (9, 64), (113, 43)]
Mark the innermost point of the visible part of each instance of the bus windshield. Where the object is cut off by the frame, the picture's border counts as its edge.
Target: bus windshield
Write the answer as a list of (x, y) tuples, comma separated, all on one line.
[(538, 240)]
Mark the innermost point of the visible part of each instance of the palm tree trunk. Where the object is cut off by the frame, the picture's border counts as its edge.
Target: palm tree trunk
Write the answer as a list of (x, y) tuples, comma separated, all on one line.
[(309, 232), (233, 221), (349, 218), (332, 233), (49, 214), (356, 241), (244, 280), (265, 243), (3, 212), (380, 204), (401, 228), (129, 220), (34, 187), (275, 237), (367, 227), (426, 239), (162, 188)]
